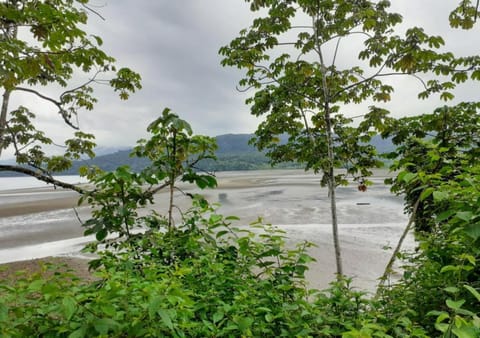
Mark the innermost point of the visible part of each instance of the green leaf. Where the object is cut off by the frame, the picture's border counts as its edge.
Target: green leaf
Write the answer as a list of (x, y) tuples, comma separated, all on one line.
[(36, 285), (205, 181), (3, 312), (465, 332), (69, 307), (218, 316), (445, 215), (425, 193), (440, 196), (221, 233), (464, 215), (448, 268), (101, 234), (154, 305), (455, 305), (269, 317), (447, 96), (104, 325), (108, 309), (244, 323), (476, 75), (408, 177), (79, 333), (167, 320), (442, 327), (471, 259), (474, 292), (441, 315), (451, 289)]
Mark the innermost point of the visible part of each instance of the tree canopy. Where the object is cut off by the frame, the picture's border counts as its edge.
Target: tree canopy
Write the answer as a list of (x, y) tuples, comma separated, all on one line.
[(45, 49), (291, 54)]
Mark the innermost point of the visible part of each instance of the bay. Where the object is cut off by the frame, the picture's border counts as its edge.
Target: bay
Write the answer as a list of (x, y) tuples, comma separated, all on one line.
[(28, 182)]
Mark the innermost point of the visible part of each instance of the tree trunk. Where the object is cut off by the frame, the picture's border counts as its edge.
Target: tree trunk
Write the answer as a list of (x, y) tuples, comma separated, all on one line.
[(11, 32), (388, 268), (173, 176), (332, 193), (330, 172), (3, 117)]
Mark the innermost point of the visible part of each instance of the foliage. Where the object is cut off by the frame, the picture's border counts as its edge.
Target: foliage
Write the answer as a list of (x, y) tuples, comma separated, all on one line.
[(437, 159), (202, 278), (290, 87), (118, 195), (290, 56), (44, 48), (438, 173), (433, 149), (438, 279)]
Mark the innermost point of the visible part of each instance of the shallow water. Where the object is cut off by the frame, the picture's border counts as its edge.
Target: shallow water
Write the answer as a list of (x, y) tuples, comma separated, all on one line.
[(290, 199), (28, 182)]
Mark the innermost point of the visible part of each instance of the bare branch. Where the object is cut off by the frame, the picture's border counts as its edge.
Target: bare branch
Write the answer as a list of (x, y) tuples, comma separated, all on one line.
[(302, 27), (151, 192), (93, 79), (476, 10), (389, 267), (29, 90), (43, 177), (58, 104), (90, 9)]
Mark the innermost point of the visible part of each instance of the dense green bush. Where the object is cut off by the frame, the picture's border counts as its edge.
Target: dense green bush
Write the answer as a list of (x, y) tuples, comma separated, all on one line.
[(202, 276)]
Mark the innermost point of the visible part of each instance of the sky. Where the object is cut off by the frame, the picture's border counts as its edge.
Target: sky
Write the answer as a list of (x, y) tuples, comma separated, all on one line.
[(174, 46)]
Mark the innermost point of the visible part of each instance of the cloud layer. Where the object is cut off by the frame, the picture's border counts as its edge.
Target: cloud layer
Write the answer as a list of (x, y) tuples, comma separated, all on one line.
[(174, 46)]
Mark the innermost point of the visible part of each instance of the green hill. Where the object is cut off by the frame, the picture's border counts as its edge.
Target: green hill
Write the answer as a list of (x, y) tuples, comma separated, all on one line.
[(233, 153)]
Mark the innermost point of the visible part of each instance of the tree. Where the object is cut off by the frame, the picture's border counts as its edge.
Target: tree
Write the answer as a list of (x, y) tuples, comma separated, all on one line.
[(291, 57), (118, 195), (43, 46)]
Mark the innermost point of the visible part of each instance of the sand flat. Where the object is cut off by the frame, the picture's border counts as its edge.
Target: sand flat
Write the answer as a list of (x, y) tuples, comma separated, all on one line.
[(291, 199)]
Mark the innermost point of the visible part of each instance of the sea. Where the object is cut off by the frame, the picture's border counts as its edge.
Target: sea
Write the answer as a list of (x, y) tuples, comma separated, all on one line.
[(28, 182)]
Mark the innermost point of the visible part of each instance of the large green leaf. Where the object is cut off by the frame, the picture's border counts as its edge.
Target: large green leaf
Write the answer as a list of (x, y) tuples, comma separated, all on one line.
[(473, 230), (105, 325)]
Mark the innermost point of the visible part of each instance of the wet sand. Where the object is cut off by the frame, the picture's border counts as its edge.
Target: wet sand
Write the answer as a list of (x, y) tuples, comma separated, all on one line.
[(32, 207), (291, 200)]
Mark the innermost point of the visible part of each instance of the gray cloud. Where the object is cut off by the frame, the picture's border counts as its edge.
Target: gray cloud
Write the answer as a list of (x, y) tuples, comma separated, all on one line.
[(174, 45)]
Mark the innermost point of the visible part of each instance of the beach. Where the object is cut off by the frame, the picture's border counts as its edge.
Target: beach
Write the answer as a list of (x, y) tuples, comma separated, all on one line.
[(41, 222)]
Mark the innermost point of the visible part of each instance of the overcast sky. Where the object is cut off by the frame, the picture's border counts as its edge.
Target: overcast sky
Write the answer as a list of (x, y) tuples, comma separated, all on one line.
[(174, 46)]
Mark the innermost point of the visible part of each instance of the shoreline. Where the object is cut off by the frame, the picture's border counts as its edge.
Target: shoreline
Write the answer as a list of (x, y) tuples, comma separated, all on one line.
[(33, 207), (43, 220)]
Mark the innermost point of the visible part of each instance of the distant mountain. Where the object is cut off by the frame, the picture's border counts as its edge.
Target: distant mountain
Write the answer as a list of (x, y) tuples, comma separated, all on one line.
[(235, 144), (233, 153), (382, 145)]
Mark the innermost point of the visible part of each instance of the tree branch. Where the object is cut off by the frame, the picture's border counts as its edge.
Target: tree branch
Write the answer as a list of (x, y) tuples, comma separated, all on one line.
[(88, 8), (58, 104), (388, 268), (42, 177)]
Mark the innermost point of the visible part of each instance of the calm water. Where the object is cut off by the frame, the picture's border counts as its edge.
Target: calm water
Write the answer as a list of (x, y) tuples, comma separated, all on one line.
[(27, 182)]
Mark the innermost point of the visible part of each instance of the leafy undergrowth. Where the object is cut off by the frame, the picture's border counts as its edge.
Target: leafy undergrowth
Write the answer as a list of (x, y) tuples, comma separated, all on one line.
[(203, 278)]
